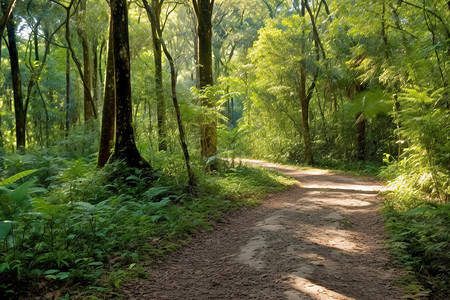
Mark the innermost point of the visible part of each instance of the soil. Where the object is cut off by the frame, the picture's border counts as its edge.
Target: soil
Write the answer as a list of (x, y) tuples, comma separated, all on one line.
[(322, 239)]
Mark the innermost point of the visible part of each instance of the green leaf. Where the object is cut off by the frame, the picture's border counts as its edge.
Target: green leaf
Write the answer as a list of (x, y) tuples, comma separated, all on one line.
[(16, 177), (155, 218), (84, 205), (62, 275), (51, 271), (5, 227), (117, 283), (155, 191), (132, 177)]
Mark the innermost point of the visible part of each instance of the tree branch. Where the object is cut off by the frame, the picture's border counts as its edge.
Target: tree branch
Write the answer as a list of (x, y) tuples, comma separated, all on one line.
[(7, 17)]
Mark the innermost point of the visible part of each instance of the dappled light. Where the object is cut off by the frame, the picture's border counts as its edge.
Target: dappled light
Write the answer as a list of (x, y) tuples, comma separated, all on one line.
[(314, 291), (224, 149)]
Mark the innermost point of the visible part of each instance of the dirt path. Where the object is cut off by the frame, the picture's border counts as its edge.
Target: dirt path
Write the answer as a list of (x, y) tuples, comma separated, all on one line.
[(320, 240)]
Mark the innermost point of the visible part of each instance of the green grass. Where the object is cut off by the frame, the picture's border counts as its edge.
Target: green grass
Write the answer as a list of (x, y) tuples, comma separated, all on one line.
[(90, 222)]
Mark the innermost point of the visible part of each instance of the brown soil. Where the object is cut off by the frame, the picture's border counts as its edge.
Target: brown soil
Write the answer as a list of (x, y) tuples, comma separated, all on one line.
[(322, 239)]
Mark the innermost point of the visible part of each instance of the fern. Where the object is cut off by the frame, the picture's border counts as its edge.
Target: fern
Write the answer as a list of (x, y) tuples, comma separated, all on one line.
[(16, 177)]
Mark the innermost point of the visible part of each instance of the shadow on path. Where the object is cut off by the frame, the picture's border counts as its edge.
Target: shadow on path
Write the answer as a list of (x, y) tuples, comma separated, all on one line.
[(322, 239)]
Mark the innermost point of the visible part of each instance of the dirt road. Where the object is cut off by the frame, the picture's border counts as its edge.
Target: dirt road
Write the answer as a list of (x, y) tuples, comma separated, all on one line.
[(320, 240)]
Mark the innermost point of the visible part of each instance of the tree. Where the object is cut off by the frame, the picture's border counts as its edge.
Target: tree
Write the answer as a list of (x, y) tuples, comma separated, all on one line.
[(89, 105), (109, 105), (20, 108), (125, 147), (6, 15), (173, 74), (203, 10), (159, 92)]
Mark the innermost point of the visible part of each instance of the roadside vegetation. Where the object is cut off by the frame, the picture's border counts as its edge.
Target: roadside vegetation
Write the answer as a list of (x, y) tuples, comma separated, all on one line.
[(69, 221), (121, 113)]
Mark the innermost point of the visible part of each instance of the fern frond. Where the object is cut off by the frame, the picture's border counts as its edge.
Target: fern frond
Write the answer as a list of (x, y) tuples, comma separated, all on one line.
[(16, 177)]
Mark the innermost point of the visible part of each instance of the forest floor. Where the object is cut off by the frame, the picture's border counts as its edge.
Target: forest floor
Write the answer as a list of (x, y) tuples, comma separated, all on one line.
[(322, 239)]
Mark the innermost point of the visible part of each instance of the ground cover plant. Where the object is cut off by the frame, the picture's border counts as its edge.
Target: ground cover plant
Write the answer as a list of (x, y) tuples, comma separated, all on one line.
[(122, 113), (89, 221)]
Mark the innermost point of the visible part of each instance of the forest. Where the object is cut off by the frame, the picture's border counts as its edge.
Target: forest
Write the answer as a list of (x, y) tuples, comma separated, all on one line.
[(122, 123)]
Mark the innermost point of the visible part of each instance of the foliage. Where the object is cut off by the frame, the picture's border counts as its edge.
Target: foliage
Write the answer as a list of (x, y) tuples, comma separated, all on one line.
[(421, 241), (417, 208), (92, 220), (380, 94)]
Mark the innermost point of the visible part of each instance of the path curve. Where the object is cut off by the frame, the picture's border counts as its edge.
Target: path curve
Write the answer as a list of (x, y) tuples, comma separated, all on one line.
[(322, 239)]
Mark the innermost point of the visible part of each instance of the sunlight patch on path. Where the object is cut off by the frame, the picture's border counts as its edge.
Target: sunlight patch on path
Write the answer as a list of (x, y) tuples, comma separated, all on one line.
[(343, 187), (314, 291), (252, 253)]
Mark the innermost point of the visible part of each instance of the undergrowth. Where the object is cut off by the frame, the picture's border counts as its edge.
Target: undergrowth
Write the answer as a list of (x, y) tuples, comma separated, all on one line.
[(82, 223), (420, 239), (360, 168), (418, 222)]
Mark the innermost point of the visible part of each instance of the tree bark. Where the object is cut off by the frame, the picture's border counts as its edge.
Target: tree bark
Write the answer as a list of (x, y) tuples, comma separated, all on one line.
[(7, 12), (19, 109), (125, 146), (159, 92), (361, 129), (95, 71), (109, 106), (304, 102), (89, 106), (203, 10), (67, 92), (383, 31)]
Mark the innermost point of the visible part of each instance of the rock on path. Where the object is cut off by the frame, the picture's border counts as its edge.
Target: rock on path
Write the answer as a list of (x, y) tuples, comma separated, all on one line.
[(322, 239)]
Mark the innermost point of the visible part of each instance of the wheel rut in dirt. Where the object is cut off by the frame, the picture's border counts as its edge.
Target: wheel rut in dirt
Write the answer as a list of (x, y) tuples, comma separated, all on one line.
[(322, 239)]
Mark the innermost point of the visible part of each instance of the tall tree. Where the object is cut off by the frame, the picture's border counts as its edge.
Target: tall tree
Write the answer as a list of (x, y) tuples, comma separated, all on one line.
[(20, 108), (125, 147), (203, 10), (159, 92), (89, 101), (89, 106), (307, 93), (109, 105), (173, 75)]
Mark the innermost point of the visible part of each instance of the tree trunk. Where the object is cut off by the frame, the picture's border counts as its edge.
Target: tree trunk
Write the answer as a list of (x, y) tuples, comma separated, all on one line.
[(88, 100), (109, 106), (95, 81), (7, 12), (19, 110), (304, 102), (67, 92), (197, 75), (159, 92), (125, 146), (361, 128), (208, 129), (173, 76), (383, 31), (86, 85), (36, 41)]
